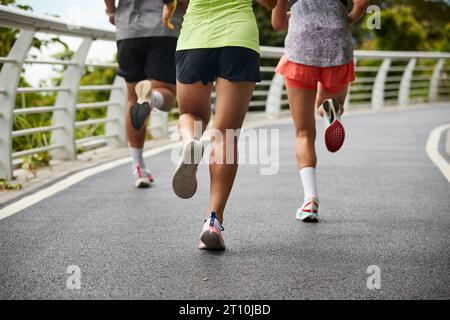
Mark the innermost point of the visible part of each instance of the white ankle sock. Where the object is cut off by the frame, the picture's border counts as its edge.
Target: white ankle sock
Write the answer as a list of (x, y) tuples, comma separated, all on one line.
[(308, 176), (137, 155), (157, 99)]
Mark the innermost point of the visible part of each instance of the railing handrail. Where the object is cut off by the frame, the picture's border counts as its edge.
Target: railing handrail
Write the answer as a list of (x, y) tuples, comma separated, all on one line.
[(20, 19), (16, 18), (277, 52), (380, 54), (375, 87)]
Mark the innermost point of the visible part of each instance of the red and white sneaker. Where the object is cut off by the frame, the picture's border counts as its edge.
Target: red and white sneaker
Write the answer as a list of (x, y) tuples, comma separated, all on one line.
[(143, 177), (309, 212), (211, 237), (334, 132)]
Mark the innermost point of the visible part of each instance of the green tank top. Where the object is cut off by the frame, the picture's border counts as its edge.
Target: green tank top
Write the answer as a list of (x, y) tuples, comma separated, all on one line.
[(219, 23)]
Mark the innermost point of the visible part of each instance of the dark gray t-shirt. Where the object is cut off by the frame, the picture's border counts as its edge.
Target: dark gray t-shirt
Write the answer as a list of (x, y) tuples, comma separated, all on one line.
[(143, 18), (319, 33)]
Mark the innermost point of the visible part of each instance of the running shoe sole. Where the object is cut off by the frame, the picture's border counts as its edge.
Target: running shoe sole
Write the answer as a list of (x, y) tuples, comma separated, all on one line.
[(184, 181), (311, 218), (142, 183), (211, 240), (141, 110), (335, 132)]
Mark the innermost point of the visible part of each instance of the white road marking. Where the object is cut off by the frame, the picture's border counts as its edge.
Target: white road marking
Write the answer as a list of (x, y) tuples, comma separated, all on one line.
[(72, 180), (433, 150), (447, 143), (59, 186)]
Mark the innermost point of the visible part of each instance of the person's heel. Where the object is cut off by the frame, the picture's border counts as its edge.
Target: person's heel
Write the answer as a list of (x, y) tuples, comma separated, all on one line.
[(211, 236), (140, 111), (335, 131), (184, 181)]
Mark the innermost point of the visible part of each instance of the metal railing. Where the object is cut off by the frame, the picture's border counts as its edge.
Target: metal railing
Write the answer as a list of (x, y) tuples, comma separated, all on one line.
[(383, 78), (397, 78)]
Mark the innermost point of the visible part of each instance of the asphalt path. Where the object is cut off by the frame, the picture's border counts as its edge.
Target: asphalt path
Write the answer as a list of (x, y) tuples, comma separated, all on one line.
[(383, 204)]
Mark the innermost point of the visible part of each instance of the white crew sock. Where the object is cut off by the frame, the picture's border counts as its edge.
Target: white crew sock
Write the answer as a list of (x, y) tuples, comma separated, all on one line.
[(308, 176), (138, 159), (157, 99)]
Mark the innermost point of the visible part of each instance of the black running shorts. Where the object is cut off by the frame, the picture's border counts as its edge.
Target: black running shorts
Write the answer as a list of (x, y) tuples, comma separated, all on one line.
[(147, 58), (206, 65)]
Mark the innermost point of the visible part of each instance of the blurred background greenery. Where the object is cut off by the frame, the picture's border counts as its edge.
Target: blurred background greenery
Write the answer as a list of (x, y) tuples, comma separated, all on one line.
[(416, 25)]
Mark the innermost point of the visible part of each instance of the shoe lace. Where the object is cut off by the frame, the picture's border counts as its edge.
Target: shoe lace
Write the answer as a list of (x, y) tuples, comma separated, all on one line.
[(142, 173), (221, 227)]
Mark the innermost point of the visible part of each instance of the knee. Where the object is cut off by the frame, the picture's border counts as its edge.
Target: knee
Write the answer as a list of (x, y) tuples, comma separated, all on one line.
[(306, 134), (169, 95), (201, 117)]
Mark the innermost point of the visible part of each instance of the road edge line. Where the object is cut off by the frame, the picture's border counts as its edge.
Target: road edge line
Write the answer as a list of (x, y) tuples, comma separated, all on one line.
[(432, 149), (71, 180)]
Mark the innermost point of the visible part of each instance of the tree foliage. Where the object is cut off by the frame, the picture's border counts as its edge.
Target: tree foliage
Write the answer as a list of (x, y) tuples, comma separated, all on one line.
[(267, 35), (92, 76), (400, 30), (408, 25), (405, 25)]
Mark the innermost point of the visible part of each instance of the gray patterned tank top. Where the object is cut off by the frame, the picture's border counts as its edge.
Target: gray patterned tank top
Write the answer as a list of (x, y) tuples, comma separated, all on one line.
[(319, 33)]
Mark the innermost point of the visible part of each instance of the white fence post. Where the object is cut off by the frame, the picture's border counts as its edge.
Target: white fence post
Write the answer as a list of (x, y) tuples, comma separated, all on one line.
[(405, 84), (159, 124), (9, 81), (380, 83), (435, 78), (275, 96), (68, 100), (115, 130), (348, 98)]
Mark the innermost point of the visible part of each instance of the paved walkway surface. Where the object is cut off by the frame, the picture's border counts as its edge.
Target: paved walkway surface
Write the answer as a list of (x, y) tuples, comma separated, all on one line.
[(383, 203)]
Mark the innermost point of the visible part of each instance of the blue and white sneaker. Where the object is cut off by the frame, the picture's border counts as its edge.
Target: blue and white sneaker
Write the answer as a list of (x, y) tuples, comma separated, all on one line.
[(211, 237)]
